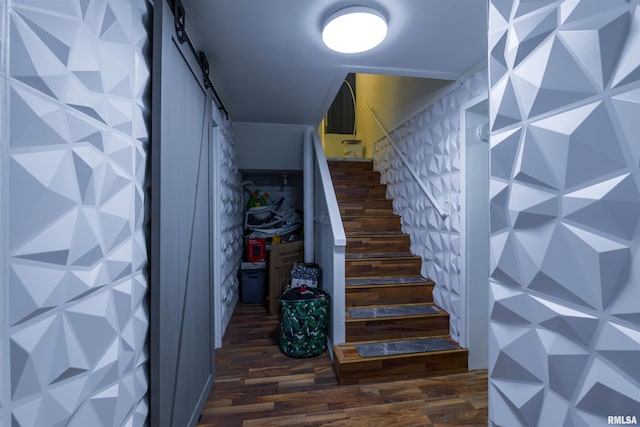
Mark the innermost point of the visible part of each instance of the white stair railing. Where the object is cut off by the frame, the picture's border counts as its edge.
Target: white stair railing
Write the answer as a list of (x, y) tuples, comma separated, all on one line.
[(330, 242)]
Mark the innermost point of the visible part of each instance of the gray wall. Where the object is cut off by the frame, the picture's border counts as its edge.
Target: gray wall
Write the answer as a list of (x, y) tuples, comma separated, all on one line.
[(268, 146), (565, 240), (73, 151)]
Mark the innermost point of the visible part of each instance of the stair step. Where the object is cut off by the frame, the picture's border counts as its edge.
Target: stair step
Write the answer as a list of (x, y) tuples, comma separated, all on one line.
[(343, 164), (361, 191), (362, 244), (362, 296), (383, 267), (357, 176), (393, 290), (418, 357), (366, 206), (341, 198), (356, 184), (382, 281), (399, 310), (387, 322), (370, 232), (366, 210), (391, 348), (372, 255), (371, 224)]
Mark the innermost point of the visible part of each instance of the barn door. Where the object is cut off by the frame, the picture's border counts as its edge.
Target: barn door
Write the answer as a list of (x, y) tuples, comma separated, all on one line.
[(181, 305)]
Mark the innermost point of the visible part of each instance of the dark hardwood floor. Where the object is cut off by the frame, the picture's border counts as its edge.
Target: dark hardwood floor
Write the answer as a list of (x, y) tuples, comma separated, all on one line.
[(257, 385)]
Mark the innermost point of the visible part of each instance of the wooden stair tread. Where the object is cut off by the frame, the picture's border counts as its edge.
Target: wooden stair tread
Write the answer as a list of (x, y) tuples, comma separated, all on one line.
[(359, 235), (360, 177), (362, 192), (374, 244), (362, 198), (401, 257), (359, 201), (352, 368), (377, 233), (372, 223), (348, 352), (345, 183), (368, 216), (398, 290), (393, 311), (348, 160), (391, 280), (343, 196), (378, 255), (366, 211)]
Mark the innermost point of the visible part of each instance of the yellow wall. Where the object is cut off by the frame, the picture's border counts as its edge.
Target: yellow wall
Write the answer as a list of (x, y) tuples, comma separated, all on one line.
[(332, 142), (394, 99)]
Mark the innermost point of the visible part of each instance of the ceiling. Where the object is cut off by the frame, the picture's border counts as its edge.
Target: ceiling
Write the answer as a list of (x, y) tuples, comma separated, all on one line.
[(269, 64)]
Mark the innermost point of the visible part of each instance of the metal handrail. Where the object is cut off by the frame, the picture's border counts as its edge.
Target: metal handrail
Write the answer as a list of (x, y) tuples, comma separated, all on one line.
[(413, 173)]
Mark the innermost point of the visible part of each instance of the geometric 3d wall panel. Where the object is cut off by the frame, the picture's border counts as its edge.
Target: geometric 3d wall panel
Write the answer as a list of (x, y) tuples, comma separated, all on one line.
[(231, 225), (565, 212), (74, 348), (433, 138)]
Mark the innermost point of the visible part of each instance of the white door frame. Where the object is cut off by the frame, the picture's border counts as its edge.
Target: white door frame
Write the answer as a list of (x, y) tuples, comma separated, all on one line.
[(475, 296)]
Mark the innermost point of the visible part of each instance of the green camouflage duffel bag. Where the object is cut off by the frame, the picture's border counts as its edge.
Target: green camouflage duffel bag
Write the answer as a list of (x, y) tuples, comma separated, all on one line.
[(303, 328)]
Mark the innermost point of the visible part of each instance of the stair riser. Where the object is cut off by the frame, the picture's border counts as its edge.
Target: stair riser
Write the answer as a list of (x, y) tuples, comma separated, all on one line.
[(350, 166), (354, 203), (365, 177), (379, 206), (420, 365), (383, 267), (361, 296), (361, 192), (365, 211), (372, 224), (378, 245), (388, 329)]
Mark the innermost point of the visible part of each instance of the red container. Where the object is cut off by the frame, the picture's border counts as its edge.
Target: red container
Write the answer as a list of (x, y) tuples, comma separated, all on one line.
[(256, 249)]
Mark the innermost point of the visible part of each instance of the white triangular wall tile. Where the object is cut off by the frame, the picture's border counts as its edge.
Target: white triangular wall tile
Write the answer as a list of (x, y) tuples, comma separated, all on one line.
[(50, 43), (586, 266), (628, 68)]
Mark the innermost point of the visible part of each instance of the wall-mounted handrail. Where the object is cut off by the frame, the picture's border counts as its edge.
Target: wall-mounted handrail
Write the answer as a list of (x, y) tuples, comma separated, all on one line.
[(412, 171)]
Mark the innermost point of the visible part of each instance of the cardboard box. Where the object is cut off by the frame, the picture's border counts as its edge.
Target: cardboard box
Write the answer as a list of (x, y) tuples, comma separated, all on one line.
[(281, 259)]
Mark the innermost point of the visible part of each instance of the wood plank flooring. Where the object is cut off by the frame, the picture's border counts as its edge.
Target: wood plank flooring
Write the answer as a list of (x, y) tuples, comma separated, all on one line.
[(257, 385)]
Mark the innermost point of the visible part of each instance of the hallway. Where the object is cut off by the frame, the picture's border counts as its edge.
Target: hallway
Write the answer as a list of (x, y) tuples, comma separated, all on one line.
[(258, 385)]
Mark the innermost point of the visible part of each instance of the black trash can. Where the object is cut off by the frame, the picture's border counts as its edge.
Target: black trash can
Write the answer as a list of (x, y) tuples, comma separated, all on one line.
[(303, 328)]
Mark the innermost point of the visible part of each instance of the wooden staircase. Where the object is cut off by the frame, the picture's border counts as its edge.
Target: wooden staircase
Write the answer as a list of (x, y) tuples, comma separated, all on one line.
[(393, 329)]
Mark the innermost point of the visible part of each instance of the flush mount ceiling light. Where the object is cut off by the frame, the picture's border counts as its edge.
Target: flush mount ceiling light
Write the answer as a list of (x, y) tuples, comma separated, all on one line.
[(354, 29)]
